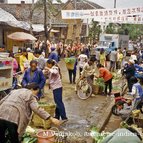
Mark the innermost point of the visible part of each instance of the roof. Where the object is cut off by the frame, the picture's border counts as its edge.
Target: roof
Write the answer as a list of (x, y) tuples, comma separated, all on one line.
[(22, 11), (9, 19), (83, 4), (40, 28)]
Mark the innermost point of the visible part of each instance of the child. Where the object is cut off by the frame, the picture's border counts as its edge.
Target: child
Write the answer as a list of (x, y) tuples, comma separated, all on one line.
[(54, 76)]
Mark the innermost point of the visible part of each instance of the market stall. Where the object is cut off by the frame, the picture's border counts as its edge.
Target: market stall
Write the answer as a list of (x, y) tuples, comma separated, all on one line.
[(6, 72), (22, 37)]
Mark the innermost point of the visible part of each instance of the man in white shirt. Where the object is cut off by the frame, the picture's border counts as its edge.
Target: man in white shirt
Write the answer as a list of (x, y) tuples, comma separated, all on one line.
[(97, 55), (40, 59), (133, 57), (113, 60), (82, 60)]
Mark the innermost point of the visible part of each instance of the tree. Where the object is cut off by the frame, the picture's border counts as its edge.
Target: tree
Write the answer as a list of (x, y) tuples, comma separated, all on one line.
[(133, 30), (30, 17), (49, 12), (111, 29), (94, 31)]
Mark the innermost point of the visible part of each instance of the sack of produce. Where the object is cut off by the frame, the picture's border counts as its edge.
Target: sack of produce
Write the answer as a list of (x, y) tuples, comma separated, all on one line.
[(97, 136), (70, 63), (39, 122), (70, 60)]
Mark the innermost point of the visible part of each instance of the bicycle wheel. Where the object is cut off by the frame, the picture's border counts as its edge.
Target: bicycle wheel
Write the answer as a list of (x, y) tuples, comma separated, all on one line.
[(84, 94), (2, 94)]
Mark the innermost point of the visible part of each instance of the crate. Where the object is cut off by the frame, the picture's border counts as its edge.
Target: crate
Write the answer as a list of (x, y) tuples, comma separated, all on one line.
[(39, 122)]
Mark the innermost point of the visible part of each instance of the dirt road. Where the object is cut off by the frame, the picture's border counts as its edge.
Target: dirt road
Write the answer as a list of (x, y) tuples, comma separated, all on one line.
[(82, 114)]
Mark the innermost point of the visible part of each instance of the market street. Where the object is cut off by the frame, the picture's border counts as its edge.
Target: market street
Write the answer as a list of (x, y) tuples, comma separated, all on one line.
[(82, 114), (71, 71)]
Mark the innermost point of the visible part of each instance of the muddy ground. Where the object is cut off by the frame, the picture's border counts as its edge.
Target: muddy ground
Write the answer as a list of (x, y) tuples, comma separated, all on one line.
[(82, 114)]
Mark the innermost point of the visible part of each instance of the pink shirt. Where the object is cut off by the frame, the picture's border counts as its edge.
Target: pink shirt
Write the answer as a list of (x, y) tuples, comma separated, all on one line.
[(15, 66), (55, 78)]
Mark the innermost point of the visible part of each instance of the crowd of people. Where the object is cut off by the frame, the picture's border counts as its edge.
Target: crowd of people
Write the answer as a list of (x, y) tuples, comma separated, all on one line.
[(37, 67), (79, 55)]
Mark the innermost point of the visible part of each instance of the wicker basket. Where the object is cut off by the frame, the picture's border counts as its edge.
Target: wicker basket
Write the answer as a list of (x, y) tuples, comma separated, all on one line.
[(101, 90), (95, 89), (39, 122)]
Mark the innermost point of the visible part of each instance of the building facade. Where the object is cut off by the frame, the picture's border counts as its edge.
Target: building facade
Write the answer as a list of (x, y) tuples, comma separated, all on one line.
[(3, 1), (69, 30)]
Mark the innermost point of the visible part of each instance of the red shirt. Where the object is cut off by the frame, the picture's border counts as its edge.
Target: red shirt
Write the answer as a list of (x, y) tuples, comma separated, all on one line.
[(105, 74)]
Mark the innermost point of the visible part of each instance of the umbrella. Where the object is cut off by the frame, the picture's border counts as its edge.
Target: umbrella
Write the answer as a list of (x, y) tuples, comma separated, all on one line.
[(21, 36)]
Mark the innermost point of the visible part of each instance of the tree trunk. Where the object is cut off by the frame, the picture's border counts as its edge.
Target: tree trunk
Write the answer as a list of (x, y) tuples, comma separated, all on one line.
[(45, 20), (31, 16), (45, 27)]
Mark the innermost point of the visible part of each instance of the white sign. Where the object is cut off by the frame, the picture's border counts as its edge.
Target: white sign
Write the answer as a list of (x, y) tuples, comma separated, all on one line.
[(121, 19), (84, 14)]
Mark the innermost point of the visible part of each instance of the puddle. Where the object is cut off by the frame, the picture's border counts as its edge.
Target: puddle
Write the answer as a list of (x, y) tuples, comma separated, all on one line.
[(76, 125)]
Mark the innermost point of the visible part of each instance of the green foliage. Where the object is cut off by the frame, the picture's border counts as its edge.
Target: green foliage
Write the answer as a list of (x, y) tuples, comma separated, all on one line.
[(98, 137), (95, 30), (111, 29), (100, 83), (28, 139), (133, 30)]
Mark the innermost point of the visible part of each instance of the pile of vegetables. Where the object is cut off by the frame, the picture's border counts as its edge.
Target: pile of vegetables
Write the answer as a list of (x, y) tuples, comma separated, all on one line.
[(98, 137), (100, 83), (117, 75), (116, 88), (70, 60), (134, 126), (29, 136)]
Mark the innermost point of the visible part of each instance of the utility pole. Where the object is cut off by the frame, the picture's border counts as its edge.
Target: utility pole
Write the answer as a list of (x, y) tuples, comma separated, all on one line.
[(74, 25), (75, 4), (115, 2), (45, 27), (45, 19), (31, 16)]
